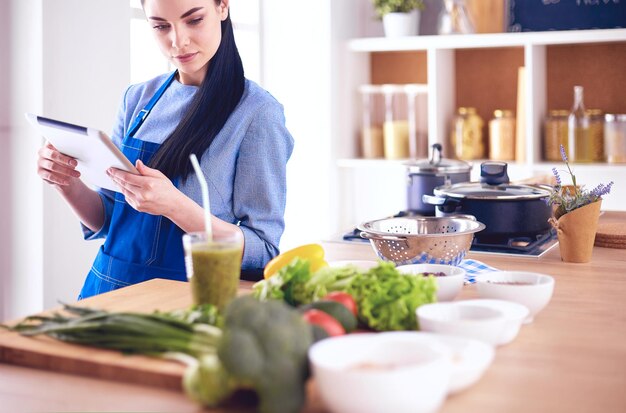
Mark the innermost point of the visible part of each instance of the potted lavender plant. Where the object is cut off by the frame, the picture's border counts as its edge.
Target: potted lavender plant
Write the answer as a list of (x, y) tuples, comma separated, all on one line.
[(576, 213)]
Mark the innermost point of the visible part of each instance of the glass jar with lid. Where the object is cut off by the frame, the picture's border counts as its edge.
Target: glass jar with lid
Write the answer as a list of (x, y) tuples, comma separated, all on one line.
[(615, 137), (417, 103), (596, 135), (372, 117), (555, 134), (467, 134), (396, 125), (502, 136)]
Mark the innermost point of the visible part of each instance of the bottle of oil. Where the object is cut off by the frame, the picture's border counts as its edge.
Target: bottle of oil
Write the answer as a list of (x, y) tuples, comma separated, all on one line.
[(579, 141)]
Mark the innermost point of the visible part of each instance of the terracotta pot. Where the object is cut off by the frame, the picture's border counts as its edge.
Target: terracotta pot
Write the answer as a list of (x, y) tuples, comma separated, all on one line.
[(576, 231)]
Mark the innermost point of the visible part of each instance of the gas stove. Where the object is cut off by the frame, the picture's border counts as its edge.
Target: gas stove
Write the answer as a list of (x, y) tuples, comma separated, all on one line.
[(515, 246), (518, 246)]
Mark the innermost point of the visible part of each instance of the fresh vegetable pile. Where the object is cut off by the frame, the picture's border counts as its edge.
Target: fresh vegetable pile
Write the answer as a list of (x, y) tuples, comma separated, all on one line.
[(386, 299), (259, 343), (258, 346)]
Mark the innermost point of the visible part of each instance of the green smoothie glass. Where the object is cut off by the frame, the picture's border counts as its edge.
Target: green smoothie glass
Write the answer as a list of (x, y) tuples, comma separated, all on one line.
[(213, 267)]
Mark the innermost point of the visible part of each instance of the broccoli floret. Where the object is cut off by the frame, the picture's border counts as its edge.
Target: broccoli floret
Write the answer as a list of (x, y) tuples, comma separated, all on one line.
[(264, 348)]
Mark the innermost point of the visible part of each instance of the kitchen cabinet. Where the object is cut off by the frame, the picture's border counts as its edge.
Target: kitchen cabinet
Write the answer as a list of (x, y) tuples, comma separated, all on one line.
[(481, 70)]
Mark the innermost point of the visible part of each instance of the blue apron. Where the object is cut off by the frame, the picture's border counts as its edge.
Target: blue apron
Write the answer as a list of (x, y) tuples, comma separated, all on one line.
[(139, 246)]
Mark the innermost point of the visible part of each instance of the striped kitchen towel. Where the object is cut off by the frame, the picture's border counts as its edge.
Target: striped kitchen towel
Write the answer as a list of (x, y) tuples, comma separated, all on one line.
[(472, 268)]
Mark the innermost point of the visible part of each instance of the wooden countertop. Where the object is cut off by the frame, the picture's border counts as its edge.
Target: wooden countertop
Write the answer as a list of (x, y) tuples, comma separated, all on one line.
[(572, 358)]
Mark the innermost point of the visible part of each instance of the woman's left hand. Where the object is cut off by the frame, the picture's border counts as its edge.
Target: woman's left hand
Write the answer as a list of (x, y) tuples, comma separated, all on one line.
[(151, 191)]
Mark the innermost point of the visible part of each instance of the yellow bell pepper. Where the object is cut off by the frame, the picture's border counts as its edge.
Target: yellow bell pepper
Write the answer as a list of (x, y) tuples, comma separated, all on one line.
[(312, 252)]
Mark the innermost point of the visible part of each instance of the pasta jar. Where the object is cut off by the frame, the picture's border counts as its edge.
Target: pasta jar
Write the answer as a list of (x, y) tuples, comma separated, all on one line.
[(396, 125), (615, 137), (467, 134), (555, 134), (502, 136), (596, 135)]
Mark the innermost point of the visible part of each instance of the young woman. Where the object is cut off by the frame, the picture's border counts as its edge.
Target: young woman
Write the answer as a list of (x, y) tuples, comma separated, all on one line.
[(206, 107)]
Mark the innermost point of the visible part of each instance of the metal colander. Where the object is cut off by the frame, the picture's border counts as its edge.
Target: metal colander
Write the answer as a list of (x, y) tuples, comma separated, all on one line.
[(415, 240)]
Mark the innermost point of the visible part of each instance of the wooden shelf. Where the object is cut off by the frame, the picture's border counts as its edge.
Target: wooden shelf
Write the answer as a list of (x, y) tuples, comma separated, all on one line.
[(479, 70), (470, 41)]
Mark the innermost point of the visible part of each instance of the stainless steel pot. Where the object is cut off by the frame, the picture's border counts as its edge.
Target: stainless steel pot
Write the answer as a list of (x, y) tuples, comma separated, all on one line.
[(507, 210), (427, 174)]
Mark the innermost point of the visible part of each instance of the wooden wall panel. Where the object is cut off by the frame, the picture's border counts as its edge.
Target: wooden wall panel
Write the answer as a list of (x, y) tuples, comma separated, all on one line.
[(398, 67), (487, 79), (599, 68)]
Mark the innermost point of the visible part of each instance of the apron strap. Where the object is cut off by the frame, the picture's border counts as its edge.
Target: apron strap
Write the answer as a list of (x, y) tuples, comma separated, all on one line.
[(143, 113)]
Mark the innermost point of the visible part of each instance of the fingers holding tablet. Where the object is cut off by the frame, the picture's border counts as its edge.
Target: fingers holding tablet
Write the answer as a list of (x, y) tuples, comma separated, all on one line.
[(54, 167)]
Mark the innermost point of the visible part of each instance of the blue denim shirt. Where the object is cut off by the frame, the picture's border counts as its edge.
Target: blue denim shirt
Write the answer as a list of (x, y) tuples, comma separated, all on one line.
[(245, 165)]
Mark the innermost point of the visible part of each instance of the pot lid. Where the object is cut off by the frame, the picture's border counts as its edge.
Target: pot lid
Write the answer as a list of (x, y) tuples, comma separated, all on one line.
[(436, 164), (477, 190)]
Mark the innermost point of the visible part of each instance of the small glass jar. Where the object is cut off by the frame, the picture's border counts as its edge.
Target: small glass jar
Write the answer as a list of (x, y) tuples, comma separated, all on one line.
[(372, 117), (615, 137), (396, 125), (417, 104), (555, 135), (467, 134), (596, 135), (502, 136)]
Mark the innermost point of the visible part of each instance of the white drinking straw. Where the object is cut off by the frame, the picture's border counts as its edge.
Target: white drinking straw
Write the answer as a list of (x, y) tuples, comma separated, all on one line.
[(205, 196)]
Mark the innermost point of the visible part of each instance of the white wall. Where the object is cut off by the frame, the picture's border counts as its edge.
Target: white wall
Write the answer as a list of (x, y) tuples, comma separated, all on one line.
[(83, 88), (25, 280), (296, 60), (5, 156), (304, 46), (69, 59)]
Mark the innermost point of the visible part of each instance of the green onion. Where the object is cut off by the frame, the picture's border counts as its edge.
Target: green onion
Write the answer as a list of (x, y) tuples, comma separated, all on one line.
[(137, 333)]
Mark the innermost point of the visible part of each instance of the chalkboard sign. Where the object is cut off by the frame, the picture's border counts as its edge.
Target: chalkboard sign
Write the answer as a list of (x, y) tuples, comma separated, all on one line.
[(541, 15)]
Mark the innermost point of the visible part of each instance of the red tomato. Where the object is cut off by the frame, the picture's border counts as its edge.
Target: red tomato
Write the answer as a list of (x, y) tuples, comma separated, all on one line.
[(325, 321), (343, 298)]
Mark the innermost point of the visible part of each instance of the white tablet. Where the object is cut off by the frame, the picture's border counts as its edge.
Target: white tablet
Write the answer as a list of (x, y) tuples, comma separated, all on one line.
[(93, 149)]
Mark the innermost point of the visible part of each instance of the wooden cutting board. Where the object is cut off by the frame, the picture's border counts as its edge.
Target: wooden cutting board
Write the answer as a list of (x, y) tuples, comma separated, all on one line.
[(48, 354)]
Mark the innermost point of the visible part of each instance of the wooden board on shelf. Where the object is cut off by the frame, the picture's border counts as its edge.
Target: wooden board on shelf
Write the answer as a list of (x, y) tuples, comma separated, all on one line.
[(488, 15)]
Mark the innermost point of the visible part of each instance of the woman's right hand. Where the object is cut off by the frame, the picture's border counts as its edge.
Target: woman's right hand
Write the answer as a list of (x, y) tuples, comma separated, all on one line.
[(55, 168)]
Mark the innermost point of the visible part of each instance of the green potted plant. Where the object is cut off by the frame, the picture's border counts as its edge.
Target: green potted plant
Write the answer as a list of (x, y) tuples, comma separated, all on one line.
[(400, 17), (576, 213)]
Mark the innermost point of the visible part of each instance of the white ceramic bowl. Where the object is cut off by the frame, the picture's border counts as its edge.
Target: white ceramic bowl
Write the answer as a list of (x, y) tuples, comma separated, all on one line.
[(463, 318), (380, 372), (360, 264), (514, 313), (469, 358), (530, 289), (448, 287)]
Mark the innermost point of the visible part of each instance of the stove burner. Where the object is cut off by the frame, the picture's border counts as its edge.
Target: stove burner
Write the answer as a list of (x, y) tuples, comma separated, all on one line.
[(514, 244)]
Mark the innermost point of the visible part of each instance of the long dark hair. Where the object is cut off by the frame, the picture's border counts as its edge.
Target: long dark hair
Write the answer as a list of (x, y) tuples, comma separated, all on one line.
[(215, 100)]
